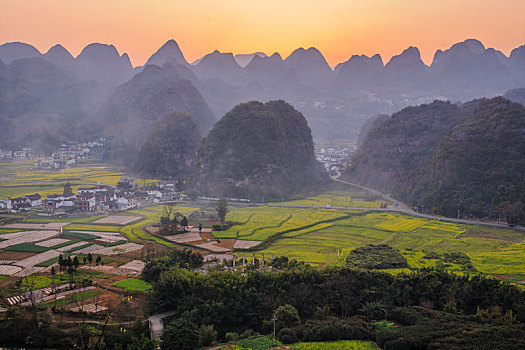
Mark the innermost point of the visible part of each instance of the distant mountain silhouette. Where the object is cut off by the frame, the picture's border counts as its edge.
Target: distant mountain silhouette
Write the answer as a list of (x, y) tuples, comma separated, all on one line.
[(310, 65), (468, 67), (335, 102), (168, 53), (359, 71), (265, 70), (406, 70), (60, 57), (218, 65), (103, 63), (16, 50), (244, 59)]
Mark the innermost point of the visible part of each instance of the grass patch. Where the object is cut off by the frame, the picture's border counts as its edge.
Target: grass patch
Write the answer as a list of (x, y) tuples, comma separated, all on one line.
[(4, 277), (257, 343), (83, 236), (27, 247), (9, 230), (133, 285), (112, 244), (72, 298), (336, 345)]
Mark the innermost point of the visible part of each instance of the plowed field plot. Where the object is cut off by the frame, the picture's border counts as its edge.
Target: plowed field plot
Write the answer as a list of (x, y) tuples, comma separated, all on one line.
[(9, 270), (27, 237), (48, 226), (121, 249), (37, 259), (246, 244), (29, 271), (212, 247), (135, 265), (89, 249), (185, 237), (118, 219)]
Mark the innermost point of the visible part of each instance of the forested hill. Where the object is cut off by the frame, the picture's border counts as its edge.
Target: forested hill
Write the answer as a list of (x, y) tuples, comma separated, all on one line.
[(447, 157), (259, 149)]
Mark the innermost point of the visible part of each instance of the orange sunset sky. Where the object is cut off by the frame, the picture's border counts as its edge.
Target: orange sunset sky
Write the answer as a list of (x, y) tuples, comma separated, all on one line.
[(338, 28)]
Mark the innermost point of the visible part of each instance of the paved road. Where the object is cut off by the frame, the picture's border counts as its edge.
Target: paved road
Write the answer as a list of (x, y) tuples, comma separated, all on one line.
[(156, 324), (403, 208)]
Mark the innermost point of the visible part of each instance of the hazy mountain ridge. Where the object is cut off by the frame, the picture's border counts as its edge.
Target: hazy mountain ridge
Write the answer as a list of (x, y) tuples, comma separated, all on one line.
[(449, 157), (136, 106), (170, 150), (335, 102)]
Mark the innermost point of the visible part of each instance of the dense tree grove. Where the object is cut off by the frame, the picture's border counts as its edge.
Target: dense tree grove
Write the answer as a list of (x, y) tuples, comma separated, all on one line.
[(341, 303)]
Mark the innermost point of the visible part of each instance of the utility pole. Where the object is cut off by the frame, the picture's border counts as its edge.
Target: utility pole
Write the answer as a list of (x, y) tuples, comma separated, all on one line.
[(274, 319)]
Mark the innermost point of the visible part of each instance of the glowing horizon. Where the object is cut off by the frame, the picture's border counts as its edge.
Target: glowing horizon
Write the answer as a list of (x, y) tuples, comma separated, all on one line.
[(338, 28)]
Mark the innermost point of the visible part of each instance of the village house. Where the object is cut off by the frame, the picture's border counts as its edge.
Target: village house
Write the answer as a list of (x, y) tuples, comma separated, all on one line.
[(35, 200), (16, 208), (85, 202)]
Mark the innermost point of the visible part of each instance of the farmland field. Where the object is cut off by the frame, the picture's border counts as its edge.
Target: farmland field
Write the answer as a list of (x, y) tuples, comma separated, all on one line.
[(336, 345), (132, 285), (335, 199), (491, 251), (22, 178)]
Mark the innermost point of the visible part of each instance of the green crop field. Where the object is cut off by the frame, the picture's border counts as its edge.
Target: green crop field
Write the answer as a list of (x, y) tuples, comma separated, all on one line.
[(27, 247), (336, 345), (80, 235), (265, 222), (133, 285), (22, 178), (73, 298), (335, 199), (4, 277), (492, 251)]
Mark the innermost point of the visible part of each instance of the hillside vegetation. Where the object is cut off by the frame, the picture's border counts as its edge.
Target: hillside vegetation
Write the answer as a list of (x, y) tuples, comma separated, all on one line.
[(447, 158), (259, 149)]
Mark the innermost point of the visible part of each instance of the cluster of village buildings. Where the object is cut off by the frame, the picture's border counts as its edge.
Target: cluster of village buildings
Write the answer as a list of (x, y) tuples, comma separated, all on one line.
[(101, 198), (335, 159), (67, 154)]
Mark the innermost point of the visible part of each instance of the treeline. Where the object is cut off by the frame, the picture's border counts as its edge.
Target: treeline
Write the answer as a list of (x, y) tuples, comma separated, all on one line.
[(343, 303)]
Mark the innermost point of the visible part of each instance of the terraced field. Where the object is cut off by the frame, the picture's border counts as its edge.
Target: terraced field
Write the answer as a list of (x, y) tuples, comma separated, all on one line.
[(491, 251), (335, 199), (265, 222)]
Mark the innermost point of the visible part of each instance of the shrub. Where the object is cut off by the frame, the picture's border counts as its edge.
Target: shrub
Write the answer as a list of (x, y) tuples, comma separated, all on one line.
[(287, 336)]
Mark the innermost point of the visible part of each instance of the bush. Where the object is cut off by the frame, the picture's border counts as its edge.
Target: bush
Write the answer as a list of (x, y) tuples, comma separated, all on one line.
[(287, 336), (207, 335), (287, 316), (180, 335), (335, 329), (231, 336)]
